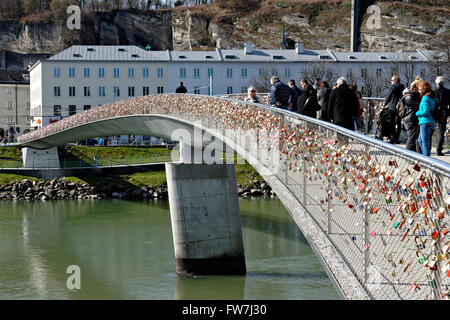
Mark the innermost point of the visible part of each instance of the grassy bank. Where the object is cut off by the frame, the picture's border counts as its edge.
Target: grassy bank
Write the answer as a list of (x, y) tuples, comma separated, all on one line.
[(10, 153), (245, 174)]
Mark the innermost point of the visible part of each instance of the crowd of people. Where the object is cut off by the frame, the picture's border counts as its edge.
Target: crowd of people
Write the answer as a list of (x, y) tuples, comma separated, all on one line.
[(343, 106)]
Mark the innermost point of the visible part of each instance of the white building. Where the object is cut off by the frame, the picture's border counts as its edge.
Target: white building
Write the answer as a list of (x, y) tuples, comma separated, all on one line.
[(82, 77)]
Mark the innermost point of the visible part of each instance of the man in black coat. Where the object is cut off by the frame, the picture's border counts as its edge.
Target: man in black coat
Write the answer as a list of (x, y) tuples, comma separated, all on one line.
[(394, 94), (343, 105), (181, 88), (296, 93), (443, 95), (323, 97), (307, 103), (411, 99)]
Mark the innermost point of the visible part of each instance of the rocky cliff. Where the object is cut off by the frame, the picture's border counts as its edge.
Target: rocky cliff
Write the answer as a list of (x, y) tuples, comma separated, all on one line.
[(317, 24), (108, 28)]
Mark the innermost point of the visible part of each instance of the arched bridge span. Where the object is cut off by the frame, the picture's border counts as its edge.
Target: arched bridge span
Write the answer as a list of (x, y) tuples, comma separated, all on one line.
[(364, 205)]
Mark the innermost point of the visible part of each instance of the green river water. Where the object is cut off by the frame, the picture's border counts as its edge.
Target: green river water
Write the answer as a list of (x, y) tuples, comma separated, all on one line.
[(124, 250)]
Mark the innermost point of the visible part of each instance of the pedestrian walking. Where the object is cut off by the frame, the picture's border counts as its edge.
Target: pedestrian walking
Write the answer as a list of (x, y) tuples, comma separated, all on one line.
[(307, 103), (303, 83), (323, 97), (394, 94), (357, 125), (443, 94), (296, 93), (181, 88), (343, 105), (426, 121), (411, 100)]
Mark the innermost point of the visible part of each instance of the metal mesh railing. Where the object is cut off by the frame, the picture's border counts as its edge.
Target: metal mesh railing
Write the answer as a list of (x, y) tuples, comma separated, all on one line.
[(381, 206), (85, 163)]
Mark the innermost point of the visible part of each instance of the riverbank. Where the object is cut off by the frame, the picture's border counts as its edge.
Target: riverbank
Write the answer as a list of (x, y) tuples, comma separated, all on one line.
[(149, 185)]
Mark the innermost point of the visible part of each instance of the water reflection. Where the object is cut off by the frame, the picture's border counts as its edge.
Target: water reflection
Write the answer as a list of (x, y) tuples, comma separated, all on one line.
[(125, 251)]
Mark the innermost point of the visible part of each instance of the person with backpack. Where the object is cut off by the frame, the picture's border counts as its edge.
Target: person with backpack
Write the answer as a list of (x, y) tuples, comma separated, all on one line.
[(425, 114), (407, 107), (443, 94)]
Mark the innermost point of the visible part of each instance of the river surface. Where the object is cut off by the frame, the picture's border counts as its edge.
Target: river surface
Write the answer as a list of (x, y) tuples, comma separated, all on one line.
[(124, 250)]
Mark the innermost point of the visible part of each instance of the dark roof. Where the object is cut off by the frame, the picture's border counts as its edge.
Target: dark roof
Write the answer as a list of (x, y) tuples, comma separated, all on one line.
[(14, 77)]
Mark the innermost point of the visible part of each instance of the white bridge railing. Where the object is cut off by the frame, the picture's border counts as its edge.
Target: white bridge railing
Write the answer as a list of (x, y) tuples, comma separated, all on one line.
[(384, 209)]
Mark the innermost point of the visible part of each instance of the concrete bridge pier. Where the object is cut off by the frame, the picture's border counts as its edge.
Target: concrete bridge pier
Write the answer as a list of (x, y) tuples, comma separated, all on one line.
[(205, 216), (40, 158)]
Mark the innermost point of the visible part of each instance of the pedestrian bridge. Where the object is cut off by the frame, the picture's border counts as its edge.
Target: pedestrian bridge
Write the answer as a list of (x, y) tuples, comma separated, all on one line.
[(375, 214)]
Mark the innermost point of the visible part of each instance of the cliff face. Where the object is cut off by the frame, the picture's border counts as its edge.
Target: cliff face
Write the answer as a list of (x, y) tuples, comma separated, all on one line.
[(407, 27), (31, 38), (108, 28), (317, 24)]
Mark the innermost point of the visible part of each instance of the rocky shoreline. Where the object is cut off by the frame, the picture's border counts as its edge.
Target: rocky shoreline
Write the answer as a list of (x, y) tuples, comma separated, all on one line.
[(62, 189)]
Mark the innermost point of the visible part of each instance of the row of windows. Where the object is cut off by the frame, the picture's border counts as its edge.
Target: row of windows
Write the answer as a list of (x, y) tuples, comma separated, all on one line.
[(10, 105), (196, 73), (11, 90), (102, 91), (101, 72), (72, 109), (131, 91)]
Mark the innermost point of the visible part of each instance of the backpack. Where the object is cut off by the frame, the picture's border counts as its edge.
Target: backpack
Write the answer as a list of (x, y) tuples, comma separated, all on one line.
[(439, 112), (400, 107)]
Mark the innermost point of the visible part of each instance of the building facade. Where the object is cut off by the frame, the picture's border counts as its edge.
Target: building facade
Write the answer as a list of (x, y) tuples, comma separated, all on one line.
[(83, 77), (14, 102)]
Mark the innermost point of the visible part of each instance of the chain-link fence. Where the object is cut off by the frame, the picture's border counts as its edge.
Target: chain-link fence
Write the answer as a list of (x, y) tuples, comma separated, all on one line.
[(385, 209), (96, 162)]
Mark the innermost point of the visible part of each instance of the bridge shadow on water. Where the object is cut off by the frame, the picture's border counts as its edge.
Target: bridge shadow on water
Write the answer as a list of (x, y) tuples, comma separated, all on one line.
[(278, 225)]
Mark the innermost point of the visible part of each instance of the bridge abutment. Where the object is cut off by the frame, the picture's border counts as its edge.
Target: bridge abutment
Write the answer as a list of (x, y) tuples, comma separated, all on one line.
[(206, 223), (40, 158)]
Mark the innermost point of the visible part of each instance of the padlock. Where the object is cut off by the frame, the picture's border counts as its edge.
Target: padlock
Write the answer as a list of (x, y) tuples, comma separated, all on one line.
[(432, 262), (435, 234), (439, 214), (444, 230), (422, 258), (431, 282), (445, 247), (420, 246)]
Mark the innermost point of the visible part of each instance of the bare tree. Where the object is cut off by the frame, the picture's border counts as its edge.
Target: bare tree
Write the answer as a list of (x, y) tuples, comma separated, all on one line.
[(262, 81), (369, 82), (319, 69)]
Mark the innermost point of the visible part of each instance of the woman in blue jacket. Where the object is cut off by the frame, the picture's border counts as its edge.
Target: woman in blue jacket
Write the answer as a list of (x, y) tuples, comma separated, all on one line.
[(426, 121)]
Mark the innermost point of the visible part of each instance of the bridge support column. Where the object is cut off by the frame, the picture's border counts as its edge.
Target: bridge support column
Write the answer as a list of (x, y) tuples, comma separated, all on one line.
[(206, 224), (36, 158)]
